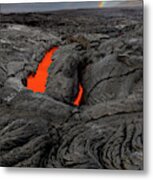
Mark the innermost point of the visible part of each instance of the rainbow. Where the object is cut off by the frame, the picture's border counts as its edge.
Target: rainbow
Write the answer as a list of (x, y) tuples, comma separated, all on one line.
[(101, 4)]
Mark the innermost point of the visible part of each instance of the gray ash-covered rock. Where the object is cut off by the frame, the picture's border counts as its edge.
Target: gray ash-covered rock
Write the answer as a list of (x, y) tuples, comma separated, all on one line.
[(100, 49)]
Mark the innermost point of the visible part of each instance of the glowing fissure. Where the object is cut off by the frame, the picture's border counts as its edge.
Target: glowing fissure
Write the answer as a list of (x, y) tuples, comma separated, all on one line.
[(37, 82), (77, 101)]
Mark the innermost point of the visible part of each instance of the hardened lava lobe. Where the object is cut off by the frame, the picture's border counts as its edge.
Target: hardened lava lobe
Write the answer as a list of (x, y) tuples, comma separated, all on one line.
[(99, 49), (37, 82)]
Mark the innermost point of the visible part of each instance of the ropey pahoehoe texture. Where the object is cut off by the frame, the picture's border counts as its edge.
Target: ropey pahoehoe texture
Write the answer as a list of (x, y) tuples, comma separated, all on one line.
[(102, 50)]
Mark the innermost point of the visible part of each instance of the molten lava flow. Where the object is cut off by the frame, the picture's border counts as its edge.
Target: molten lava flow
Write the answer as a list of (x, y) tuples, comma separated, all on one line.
[(37, 82), (79, 96)]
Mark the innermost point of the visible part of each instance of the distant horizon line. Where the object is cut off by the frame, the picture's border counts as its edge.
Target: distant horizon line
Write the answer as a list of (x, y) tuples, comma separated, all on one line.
[(58, 6), (35, 12)]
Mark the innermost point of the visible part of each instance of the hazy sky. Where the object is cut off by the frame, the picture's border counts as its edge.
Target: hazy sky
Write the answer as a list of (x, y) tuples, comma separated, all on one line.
[(37, 7)]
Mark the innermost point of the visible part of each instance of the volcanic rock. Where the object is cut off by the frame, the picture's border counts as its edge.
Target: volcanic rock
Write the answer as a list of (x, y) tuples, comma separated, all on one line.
[(46, 129)]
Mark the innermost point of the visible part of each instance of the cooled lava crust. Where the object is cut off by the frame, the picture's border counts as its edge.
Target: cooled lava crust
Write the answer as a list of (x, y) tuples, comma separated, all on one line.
[(101, 49)]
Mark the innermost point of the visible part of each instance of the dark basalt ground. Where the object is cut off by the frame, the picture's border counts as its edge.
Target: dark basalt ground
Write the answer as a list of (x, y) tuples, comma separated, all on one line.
[(101, 49)]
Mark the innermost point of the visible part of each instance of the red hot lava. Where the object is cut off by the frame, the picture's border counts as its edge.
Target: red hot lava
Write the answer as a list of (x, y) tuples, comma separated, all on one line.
[(77, 100), (37, 82)]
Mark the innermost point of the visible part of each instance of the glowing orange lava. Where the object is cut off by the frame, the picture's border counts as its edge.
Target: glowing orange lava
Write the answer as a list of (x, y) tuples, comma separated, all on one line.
[(79, 96), (37, 82)]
